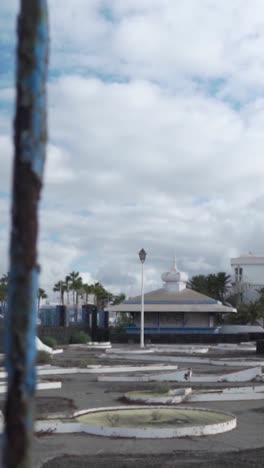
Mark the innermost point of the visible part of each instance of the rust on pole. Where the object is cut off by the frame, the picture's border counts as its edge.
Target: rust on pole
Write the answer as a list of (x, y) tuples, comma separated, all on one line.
[(30, 137)]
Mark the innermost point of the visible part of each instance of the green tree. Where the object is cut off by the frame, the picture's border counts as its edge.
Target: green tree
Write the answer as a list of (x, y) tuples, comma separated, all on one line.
[(3, 292), (76, 283), (60, 287), (223, 285), (199, 283), (123, 320), (248, 314), (86, 289), (102, 296), (41, 295), (251, 313), (214, 285), (261, 295), (119, 299), (67, 285)]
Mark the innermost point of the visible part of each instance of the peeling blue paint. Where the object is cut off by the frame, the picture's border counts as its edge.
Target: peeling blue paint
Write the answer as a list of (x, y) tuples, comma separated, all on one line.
[(30, 146), (32, 85), (27, 311)]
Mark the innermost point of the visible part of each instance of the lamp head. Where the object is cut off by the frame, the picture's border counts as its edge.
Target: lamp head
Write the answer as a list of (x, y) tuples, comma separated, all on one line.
[(142, 255)]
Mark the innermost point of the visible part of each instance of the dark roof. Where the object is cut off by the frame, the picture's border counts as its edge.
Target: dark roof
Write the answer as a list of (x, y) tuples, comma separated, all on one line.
[(163, 296)]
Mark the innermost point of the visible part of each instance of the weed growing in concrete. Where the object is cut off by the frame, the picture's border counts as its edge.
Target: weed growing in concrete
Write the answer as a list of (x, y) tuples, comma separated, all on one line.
[(155, 415), (113, 418)]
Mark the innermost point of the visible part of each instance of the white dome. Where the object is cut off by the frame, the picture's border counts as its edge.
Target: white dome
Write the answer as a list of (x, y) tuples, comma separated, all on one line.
[(174, 279), (174, 276)]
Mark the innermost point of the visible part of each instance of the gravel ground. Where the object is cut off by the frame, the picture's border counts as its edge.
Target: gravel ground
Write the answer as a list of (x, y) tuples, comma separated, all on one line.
[(48, 405), (242, 447), (243, 459)]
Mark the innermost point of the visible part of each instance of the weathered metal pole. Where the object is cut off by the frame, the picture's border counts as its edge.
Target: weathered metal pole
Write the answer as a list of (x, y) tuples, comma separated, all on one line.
[(142, 257), (30, 145), (142, 321)]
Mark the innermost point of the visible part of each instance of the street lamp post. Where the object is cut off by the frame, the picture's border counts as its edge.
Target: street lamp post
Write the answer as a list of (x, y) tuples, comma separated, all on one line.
[(142, 256)]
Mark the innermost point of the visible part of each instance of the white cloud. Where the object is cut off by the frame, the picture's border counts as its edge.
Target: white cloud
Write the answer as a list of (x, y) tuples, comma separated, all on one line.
[(163, 40), (57, 170), (6, 155), (156, 117)]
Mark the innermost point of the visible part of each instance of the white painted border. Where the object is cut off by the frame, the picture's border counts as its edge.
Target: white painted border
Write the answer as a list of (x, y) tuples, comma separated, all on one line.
[(53, 370), (216, 396), (102, 346), (128, 351), (197, 360), (138, 433), (40, 386), (179, 376), (176, 376), (121, 369), (225, 394), (179, 349)]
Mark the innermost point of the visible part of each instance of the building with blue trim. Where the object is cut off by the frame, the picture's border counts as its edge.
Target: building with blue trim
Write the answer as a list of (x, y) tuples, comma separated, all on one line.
[(174, 308)]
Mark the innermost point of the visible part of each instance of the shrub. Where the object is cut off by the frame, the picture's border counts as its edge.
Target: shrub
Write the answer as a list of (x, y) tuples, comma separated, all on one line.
[(79, 337), (49, 341), (117, 336), (162, 387), (43, 357), (122, 322)]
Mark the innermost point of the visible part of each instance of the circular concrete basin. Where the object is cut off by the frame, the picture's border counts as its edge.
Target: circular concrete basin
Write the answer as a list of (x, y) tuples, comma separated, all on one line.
[(155, 422)]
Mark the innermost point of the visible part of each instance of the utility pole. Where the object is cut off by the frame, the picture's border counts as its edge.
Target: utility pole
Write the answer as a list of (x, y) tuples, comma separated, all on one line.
[(30, 137)]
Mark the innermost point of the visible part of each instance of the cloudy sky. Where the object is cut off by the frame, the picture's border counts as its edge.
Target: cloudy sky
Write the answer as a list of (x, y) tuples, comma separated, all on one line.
[(156, 137)]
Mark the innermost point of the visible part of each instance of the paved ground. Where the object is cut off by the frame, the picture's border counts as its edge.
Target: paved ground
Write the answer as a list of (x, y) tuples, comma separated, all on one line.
[(245, 459), (242, 447)]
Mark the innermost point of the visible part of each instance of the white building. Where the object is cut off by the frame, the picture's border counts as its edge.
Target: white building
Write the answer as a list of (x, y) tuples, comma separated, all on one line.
[(247, 276), (174, 308)]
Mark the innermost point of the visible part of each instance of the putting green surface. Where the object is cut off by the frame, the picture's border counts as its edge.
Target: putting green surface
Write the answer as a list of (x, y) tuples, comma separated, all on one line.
[(159, 417)]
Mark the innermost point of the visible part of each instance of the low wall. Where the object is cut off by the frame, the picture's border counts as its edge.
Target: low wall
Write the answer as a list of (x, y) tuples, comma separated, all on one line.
[(186, 338), (260, 346), (63, 334), (1, 339)]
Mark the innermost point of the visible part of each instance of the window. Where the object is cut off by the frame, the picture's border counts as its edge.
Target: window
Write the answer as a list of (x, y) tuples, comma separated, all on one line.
[(238, 274)]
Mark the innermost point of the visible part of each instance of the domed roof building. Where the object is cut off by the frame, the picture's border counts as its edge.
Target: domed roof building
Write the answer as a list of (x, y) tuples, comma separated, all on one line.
[(174, 308)]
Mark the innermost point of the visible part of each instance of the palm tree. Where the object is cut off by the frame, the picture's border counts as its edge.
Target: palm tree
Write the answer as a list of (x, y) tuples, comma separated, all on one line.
[(3, 292), (223, 285), (101, 295), (86, 290), (67, 283), (72, 278), (41, 295), (118, 299), (76, 283), (60, 287), (248, 313), (215, 285), (199, 283), (4, 279)]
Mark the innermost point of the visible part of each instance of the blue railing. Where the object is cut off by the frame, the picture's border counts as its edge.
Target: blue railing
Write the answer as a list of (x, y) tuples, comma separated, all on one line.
[(171, 301), (161, 330)]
